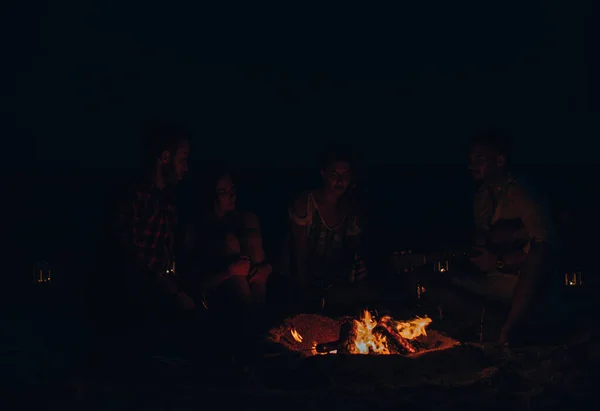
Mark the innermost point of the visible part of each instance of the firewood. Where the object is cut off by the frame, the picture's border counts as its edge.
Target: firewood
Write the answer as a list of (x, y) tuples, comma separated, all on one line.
[(418, 346), (326, 348), (394, 337), (347, 337), (343, 343)]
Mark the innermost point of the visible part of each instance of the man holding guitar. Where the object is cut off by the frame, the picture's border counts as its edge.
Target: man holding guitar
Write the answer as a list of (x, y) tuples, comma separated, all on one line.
[(514, 234)]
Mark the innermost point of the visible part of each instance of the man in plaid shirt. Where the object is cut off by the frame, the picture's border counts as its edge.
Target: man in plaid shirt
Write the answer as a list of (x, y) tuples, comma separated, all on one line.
[(146, 220)]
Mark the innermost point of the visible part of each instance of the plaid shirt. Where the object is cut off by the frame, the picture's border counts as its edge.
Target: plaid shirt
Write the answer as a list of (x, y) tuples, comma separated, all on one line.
[(145, 226)]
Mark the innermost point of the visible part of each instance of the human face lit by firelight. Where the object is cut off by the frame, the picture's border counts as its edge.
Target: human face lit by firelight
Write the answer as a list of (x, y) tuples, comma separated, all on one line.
[(485, 164), (226, 194), (336, 177)]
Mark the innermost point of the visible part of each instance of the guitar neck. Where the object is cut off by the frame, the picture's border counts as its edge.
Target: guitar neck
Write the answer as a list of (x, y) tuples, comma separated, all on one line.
[(462, 252), (447, 255), (418, 260), (415, 260)]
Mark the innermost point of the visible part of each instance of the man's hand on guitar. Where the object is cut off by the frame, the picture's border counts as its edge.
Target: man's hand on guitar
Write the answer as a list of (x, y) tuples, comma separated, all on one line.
[(486, 261)]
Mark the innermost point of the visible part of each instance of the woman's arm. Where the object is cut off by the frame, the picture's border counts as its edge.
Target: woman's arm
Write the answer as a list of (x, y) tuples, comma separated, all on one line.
[(255, 246)]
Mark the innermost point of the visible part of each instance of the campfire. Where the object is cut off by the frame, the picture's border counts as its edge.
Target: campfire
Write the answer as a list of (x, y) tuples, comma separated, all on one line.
[(318, 335)]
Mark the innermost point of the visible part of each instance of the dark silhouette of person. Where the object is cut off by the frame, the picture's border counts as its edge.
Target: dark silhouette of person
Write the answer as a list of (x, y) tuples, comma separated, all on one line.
[(140, 287), (225, 246), (146, 222), (507, 210), (325, 258)]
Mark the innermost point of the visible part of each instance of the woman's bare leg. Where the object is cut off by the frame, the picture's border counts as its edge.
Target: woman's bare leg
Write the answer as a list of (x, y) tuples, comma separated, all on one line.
[(235, 292)]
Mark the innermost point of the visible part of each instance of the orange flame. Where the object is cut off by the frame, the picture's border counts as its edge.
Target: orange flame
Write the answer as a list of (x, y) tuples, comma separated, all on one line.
[(366, 341), (296, 335), (413, 328), (369, 338)]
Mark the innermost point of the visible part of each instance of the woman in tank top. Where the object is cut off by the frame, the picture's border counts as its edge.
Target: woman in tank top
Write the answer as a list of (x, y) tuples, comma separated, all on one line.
[(325, 233)]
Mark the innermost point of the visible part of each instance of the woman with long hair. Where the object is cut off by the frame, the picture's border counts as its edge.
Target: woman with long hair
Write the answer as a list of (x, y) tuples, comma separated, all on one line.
[(228, 247)]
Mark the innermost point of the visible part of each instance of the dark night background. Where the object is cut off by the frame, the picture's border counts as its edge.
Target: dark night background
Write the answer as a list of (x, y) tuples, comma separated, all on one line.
[(267, 89)]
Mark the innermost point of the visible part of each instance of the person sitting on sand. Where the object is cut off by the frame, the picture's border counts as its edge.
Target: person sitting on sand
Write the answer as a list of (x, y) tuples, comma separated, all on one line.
[(227, 245), (325, 243), (505, 204)]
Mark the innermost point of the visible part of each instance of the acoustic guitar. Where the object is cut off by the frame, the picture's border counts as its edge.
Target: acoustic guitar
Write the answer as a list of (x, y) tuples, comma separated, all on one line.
[(500, 241)]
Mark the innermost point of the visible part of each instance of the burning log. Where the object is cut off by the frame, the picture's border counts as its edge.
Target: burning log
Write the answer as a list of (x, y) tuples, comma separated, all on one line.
[(369, 336), (417, 345), (366, 335), (347, 337), (326, 348), (343, 344), (386, 327)]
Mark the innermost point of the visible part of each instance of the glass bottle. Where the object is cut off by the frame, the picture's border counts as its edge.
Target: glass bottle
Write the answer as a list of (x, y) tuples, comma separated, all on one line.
[(354, 268), (42, 273)]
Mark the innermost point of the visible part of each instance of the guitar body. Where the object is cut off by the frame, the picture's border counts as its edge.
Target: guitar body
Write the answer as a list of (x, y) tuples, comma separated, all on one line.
[(505, 239)]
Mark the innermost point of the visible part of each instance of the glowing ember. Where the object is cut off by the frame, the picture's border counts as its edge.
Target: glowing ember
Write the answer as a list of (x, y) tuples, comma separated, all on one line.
[(296, 335)]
